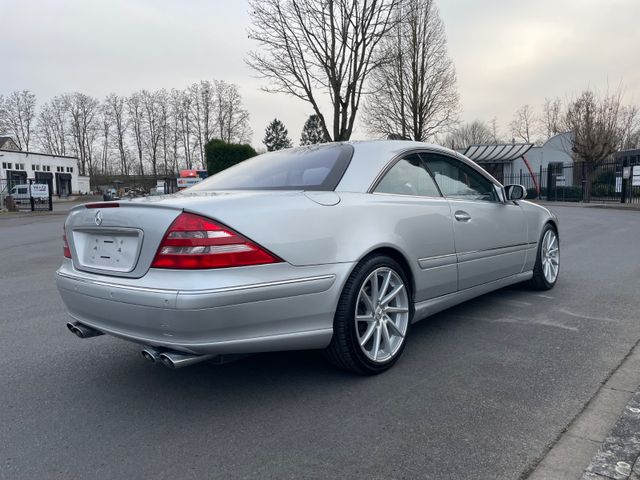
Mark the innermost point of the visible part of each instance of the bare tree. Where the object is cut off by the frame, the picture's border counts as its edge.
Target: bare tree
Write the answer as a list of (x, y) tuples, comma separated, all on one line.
[(495, 131), (115, 106), (595, 123), (473, 133), (19, 112), (175, 109), (414, 92), (231, 119), (105, 131), (83, 126), (316, 47), (551, 117), (183, 113), (3, 115), (201, 104), (523, 124), (53, 120), (164, 111), (136, 118), (630, 125), (152, 129)]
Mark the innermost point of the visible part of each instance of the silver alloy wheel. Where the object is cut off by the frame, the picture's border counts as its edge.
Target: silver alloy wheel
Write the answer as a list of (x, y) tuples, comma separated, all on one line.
[(382, 314), (550, 256)]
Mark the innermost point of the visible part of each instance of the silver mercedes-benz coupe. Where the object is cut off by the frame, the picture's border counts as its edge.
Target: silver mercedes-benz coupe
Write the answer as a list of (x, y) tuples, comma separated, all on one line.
[(340, 246)]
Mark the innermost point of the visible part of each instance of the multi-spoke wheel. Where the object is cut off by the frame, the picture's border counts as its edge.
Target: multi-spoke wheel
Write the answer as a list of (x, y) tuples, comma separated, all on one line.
[(382, 314), (547, 266), (373, 317)]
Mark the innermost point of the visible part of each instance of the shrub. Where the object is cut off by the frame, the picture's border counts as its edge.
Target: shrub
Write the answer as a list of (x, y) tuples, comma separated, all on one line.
[(222, 155)]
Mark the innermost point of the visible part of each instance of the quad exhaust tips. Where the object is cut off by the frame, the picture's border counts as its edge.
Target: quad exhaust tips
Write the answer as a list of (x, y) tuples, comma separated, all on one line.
[(151, 354), (83, 331), (173, 359)]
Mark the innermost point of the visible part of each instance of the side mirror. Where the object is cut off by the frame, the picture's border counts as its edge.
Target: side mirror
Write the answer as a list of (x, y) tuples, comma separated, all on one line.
[(515, 192)]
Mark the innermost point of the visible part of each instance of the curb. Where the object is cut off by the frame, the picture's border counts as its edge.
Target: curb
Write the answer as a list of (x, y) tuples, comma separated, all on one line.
[(603, 436), (617, 458), (607, 206)]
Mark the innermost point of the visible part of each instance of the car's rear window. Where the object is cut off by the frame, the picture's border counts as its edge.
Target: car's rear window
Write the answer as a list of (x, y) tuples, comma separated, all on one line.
[(315, 167)]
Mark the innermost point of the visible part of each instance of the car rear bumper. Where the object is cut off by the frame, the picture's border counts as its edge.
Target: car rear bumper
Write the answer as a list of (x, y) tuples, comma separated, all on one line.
[(288, 308)]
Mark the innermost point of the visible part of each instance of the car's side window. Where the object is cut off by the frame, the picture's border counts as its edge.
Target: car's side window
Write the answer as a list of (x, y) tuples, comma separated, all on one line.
[(408, 177), (457, 180)]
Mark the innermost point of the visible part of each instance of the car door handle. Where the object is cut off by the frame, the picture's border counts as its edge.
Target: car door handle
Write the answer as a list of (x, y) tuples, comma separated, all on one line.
[(462, 216)]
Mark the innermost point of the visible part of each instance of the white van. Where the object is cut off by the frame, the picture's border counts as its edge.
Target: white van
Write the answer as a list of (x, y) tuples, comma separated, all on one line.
[(20, 194), (23, 193)]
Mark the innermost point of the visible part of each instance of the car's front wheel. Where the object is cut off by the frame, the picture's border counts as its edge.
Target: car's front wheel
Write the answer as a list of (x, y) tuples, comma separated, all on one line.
[(373, 317), (547, 266)]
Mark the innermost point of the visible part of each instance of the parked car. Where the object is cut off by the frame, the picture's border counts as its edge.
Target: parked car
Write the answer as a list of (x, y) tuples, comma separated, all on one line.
[(337, 246)]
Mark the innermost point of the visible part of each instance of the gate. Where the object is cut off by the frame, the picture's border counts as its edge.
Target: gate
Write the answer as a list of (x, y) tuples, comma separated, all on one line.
[(40, 195), (608, 182)]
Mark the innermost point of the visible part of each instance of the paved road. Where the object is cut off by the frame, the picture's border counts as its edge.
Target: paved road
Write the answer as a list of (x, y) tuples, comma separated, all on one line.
[(480, 392)]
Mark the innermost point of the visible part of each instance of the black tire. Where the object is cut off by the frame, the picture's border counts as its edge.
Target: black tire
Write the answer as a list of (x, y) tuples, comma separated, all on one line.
[(344, 350), (539, 281)]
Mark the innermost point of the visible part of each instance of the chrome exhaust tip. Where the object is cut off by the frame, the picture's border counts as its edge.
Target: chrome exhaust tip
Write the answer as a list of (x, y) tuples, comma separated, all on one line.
[(151, 354), (83, 331), (178, 360)]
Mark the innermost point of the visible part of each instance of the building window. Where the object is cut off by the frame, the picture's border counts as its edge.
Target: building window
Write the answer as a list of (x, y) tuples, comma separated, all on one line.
[(70, 169), (21, 167), (9, 166), (4, 165), (33, 167)]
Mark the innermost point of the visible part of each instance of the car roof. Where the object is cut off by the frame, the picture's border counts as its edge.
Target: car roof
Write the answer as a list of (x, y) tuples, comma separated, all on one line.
[(370, 157)]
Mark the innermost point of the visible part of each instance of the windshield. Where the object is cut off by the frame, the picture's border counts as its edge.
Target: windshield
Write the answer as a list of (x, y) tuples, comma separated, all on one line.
[(315, 167)]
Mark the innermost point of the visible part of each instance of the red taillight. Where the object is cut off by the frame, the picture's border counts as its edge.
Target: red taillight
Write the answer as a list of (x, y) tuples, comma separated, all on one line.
[(66, 251), (194, 242)]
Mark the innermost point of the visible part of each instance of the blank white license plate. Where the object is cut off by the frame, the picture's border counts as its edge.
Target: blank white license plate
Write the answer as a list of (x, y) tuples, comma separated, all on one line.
[(107, 251)]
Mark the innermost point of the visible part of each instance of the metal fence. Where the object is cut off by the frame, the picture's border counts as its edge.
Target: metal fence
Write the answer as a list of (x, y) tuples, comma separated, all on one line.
[(608, 182), (31, 196)]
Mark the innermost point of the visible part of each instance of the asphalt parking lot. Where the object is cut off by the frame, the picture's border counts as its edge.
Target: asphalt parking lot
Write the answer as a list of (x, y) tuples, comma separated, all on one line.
[(481, 391)]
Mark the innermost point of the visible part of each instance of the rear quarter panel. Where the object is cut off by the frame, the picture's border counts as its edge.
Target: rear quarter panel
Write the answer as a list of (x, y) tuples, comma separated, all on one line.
[(303, 232)]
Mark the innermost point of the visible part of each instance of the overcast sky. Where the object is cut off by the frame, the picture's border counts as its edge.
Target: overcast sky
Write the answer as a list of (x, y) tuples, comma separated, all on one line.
[(507, 53)]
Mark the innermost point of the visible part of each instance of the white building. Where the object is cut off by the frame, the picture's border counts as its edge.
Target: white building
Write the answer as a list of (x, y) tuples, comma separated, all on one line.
[(514, 162), (18, 167)]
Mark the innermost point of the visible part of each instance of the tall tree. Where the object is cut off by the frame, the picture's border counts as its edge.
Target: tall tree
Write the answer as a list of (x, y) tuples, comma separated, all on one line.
[(201, 104), (595, 121), (523, 124), (232, 120), (115, 107), (135, 110), (106, 123), (164, 111), (152, 127), (313, 48), (84, 115), (630, 125), (414, 92), (175, 114), (276, 136), (19, 112), (312, 132), (53, 120), (551, 117)]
